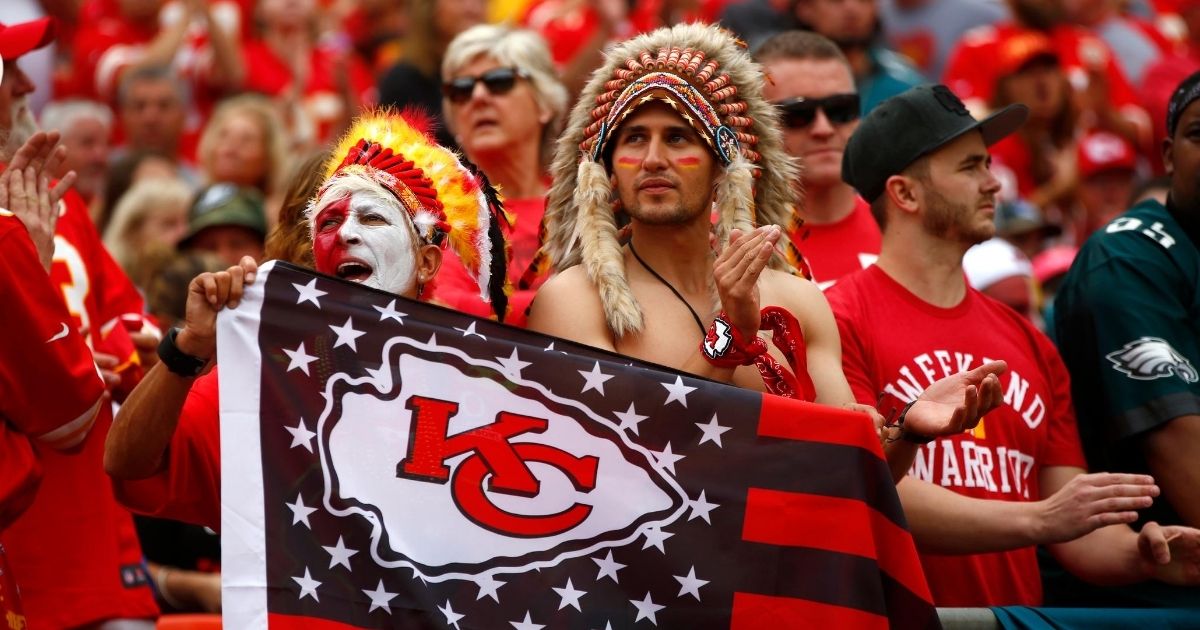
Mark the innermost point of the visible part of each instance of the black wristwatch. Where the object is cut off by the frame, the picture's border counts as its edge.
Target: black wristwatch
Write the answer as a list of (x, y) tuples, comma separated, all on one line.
[(176, 360)]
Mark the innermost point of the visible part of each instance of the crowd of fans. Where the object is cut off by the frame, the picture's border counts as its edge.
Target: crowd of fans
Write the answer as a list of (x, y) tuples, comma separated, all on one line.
[(197, 128)]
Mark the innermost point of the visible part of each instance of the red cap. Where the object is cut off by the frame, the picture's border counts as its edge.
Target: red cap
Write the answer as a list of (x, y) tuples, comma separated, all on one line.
[(1101, 151), (1053, 262), (1020, 48), (18, 39)]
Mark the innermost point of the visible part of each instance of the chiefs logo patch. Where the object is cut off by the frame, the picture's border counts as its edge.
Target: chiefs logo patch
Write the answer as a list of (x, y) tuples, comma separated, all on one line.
[(718, 340), (1148, 358), (517, 476)]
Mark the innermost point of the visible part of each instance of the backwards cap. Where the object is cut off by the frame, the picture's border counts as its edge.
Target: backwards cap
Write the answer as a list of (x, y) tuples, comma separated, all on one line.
[(707, 77), (447, 200)]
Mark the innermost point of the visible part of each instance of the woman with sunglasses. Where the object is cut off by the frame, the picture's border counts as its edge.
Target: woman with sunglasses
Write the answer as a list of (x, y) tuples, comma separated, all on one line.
[(505, 105)]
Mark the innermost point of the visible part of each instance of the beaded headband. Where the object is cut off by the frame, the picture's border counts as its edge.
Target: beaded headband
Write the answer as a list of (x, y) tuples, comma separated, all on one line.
[(682, 78)]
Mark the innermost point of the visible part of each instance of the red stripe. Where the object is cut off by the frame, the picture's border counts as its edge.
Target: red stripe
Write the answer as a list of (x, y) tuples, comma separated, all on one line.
[(843, 525), (276, 621), (759, 612), (796, 420)]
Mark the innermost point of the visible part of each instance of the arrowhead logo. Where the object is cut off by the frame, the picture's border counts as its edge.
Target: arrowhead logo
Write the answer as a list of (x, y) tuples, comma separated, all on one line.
[(439, 446), (1149, 358)]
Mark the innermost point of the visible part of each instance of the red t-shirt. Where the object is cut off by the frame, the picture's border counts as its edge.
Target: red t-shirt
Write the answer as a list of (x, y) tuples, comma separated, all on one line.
[(75, 550), (972, 72), (896, 344), (52, 399), (267, 74), (189, 487), (455, 288), (833, 250)]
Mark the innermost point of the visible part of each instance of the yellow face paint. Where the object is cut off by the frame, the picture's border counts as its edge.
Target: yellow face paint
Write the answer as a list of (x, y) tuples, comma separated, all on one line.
[(629, 162), (688, 163)]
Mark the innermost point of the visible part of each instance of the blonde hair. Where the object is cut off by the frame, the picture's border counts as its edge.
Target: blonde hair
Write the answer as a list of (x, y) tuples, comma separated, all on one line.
[(130, 214), (261, 110), (522, 49)]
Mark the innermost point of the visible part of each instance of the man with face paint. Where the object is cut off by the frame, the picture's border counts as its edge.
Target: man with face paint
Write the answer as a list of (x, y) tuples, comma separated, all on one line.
[(378, 220), (673, 126)]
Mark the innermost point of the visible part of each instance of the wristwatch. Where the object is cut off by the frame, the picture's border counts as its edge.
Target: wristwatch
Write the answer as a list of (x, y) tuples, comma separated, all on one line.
[(176, 360)]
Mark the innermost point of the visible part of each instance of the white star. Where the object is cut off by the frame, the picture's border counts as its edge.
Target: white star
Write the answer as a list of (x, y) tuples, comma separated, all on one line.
[(527, 624), (347, 335), (608, 567), (655, 537), (309, 293), (390, 312), (299, 359), (340, 554), (677, 391), (646, 609), (380, 374), (594, 379), (380, 598), (512, 365), (451, 616), (629, 419), (300, 512), (712, 431), (700, 508), (667, 459), (570, 596), (488, 586), (308, 586), (470, 330), (550, 348), (690, 584), (301, 436)]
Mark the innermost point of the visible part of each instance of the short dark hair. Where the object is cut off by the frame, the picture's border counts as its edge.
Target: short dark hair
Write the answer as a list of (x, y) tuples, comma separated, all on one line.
[(917, 170), (800, 45), (152, 74)]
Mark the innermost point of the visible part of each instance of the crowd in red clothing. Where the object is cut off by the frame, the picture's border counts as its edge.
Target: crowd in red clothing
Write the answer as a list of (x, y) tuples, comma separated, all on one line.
[(194, 128)]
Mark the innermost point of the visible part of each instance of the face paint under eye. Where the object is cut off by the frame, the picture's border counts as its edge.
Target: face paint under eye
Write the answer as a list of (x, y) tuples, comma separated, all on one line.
[(325, 235), (689, 162), (629, 162)]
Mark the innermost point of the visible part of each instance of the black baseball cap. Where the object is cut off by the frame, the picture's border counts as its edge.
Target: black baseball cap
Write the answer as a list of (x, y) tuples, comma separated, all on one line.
[(910, 125)]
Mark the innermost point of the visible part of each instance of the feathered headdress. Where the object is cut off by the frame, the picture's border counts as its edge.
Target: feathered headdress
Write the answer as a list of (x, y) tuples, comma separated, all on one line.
[(446, 198), (705, 74)]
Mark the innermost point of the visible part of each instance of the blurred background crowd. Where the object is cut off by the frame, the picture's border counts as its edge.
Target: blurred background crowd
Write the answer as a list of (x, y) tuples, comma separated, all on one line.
[(196, 127)]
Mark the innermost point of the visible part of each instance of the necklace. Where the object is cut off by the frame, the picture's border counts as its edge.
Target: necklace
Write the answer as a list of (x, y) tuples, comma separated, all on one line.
[(695, 316)]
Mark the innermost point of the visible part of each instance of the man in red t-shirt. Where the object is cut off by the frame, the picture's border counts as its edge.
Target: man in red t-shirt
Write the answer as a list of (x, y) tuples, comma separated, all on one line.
[(52, 401), (75, 543), (978, 503), (812, 84)]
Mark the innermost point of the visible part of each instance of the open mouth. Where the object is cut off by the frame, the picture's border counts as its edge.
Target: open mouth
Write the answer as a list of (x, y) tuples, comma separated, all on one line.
[(354, 271)]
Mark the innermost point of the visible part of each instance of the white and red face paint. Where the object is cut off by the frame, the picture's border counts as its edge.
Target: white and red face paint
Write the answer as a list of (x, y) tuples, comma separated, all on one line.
[(363, 238)]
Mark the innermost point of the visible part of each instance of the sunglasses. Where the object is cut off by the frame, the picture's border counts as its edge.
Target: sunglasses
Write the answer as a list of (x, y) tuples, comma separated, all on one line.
[(497, 81), (800, 112)]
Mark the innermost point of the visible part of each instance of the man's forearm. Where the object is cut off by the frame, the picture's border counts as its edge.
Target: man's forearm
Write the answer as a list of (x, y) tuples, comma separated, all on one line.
[(1172, 453), (143, 428), (945, 522), (1107, 557)]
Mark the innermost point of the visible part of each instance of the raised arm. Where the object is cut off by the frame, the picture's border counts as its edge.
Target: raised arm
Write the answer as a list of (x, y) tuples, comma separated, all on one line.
[(143, 428)]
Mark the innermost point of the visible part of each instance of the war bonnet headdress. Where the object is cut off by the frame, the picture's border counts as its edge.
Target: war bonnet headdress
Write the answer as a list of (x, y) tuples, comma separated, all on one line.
[(704, 73), (447, 199)]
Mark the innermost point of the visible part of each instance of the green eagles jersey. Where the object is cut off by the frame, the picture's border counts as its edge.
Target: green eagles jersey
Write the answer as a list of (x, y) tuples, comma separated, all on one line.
[(1127, 321)]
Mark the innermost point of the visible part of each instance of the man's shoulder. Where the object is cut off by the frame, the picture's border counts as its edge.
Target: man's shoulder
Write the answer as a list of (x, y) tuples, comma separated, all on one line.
[(848, 292), (1145, 232)]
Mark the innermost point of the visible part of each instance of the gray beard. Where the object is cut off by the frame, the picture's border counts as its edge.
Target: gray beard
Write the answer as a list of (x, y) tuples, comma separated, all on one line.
[(23, 128)]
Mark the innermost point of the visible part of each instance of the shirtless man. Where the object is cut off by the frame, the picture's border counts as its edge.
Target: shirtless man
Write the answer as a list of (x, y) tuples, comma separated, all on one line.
[(681, 125)]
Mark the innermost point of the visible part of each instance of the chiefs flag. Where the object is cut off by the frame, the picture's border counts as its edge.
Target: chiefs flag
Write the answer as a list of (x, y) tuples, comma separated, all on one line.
[(388, 463)]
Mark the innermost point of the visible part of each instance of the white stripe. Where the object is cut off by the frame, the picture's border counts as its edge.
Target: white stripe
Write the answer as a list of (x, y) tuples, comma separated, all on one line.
[(60, 438), (243, 543)]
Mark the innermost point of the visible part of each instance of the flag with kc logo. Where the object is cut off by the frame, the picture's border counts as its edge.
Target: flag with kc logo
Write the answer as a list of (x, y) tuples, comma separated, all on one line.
[(387, 463)]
